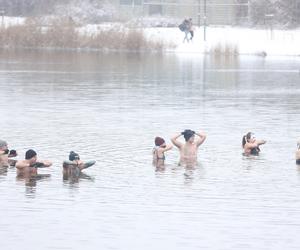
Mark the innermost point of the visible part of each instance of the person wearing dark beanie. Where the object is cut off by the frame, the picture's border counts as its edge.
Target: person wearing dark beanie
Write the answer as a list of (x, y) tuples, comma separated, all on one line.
[(189, 149), (30, 165), (159, 151), (74, 165), (30, 154)]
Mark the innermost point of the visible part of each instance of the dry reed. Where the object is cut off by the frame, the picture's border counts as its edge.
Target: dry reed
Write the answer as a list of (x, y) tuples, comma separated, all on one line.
[(63, 34)]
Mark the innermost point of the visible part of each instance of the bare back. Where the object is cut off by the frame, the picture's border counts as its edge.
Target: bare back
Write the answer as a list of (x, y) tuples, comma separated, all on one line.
[(188, 154)]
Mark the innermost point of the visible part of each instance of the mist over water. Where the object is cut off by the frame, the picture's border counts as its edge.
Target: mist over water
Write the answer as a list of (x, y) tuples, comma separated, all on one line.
[(109, 108)]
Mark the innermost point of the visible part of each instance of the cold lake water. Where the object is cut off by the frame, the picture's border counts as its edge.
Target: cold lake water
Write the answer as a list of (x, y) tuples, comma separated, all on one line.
[(109, 108)]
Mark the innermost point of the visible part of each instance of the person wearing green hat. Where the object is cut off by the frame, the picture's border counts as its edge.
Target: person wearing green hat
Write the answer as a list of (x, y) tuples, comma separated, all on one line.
[(74, 165)]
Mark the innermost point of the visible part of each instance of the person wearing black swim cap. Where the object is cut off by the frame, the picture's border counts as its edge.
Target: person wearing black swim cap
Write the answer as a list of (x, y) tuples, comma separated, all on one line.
[(30, 165), (188, 150), (74, 165)]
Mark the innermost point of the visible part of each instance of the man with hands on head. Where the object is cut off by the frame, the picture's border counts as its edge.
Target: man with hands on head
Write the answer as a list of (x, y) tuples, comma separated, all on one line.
[(188, 150)]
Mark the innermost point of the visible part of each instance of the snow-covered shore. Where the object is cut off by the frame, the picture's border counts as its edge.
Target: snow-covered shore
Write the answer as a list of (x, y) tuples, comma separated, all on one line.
[(223, 39), (244, 41)]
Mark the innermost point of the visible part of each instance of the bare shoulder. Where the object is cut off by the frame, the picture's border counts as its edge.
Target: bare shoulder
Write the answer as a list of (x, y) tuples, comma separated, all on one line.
[(21, 164)]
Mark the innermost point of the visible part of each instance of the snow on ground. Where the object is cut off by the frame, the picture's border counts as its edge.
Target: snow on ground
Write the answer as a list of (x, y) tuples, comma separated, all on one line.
[(221, 39), (6, 21), (244, 41)]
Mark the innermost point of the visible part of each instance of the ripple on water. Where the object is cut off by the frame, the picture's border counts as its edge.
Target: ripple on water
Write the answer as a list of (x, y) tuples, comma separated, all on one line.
[(110, 110)]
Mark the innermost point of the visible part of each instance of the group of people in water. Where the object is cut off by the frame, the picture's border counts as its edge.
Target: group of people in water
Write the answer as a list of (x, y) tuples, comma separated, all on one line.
[(74, 165), (30, 165), (188, 150)]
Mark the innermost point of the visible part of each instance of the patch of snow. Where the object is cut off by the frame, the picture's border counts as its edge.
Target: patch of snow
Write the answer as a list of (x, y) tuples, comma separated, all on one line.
[(245, 41), (222, 38), (6, 21)]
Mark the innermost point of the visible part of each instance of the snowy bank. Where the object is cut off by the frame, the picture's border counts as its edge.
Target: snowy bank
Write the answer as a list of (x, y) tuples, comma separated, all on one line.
[(219, 40), (6, 21), (245, 41)]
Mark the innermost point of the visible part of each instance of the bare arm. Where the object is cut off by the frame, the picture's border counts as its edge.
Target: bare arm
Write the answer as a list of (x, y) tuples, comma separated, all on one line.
[(167, 148), (201, 138), (254, 144), (260, 142), (175, 141), (46, 163)]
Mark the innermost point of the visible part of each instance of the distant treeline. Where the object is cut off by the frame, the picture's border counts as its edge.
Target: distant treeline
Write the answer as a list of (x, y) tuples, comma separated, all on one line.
[(278, 13), (29, 7)]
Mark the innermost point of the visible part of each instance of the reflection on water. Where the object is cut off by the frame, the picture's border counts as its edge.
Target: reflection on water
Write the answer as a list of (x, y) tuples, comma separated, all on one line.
[(110, 107), (31, 182), (3, 170), (72, 179)]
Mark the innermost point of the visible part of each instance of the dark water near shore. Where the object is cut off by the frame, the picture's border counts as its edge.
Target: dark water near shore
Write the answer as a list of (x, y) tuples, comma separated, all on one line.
[(109, 108)]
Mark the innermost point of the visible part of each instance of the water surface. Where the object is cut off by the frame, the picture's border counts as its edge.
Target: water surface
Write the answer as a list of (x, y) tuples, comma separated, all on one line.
[(109, 108)]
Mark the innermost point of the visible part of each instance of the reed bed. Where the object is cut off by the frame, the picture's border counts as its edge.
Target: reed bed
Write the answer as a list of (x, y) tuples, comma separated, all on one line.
[(65, 35)]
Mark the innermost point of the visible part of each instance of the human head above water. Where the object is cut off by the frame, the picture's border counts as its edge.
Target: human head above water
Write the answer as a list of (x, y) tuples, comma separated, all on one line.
[(30, 155), (73, 156), (188, 135), (3, 145), (249, 137), (159, 142)]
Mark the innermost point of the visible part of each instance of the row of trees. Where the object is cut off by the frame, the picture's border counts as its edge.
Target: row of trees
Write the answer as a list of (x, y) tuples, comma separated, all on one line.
[(281, 13), (92, 11), (28, 7)]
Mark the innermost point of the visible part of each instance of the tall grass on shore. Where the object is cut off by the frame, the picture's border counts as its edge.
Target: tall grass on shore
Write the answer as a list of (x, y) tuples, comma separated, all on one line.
[(226, 50), (64, 35)]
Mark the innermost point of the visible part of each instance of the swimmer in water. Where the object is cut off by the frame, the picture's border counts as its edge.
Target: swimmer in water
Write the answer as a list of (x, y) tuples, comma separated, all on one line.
[(251, 144), (188, 150), (29, 166), (298, 153), (5, 154), (159, 151), (74, 165)]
